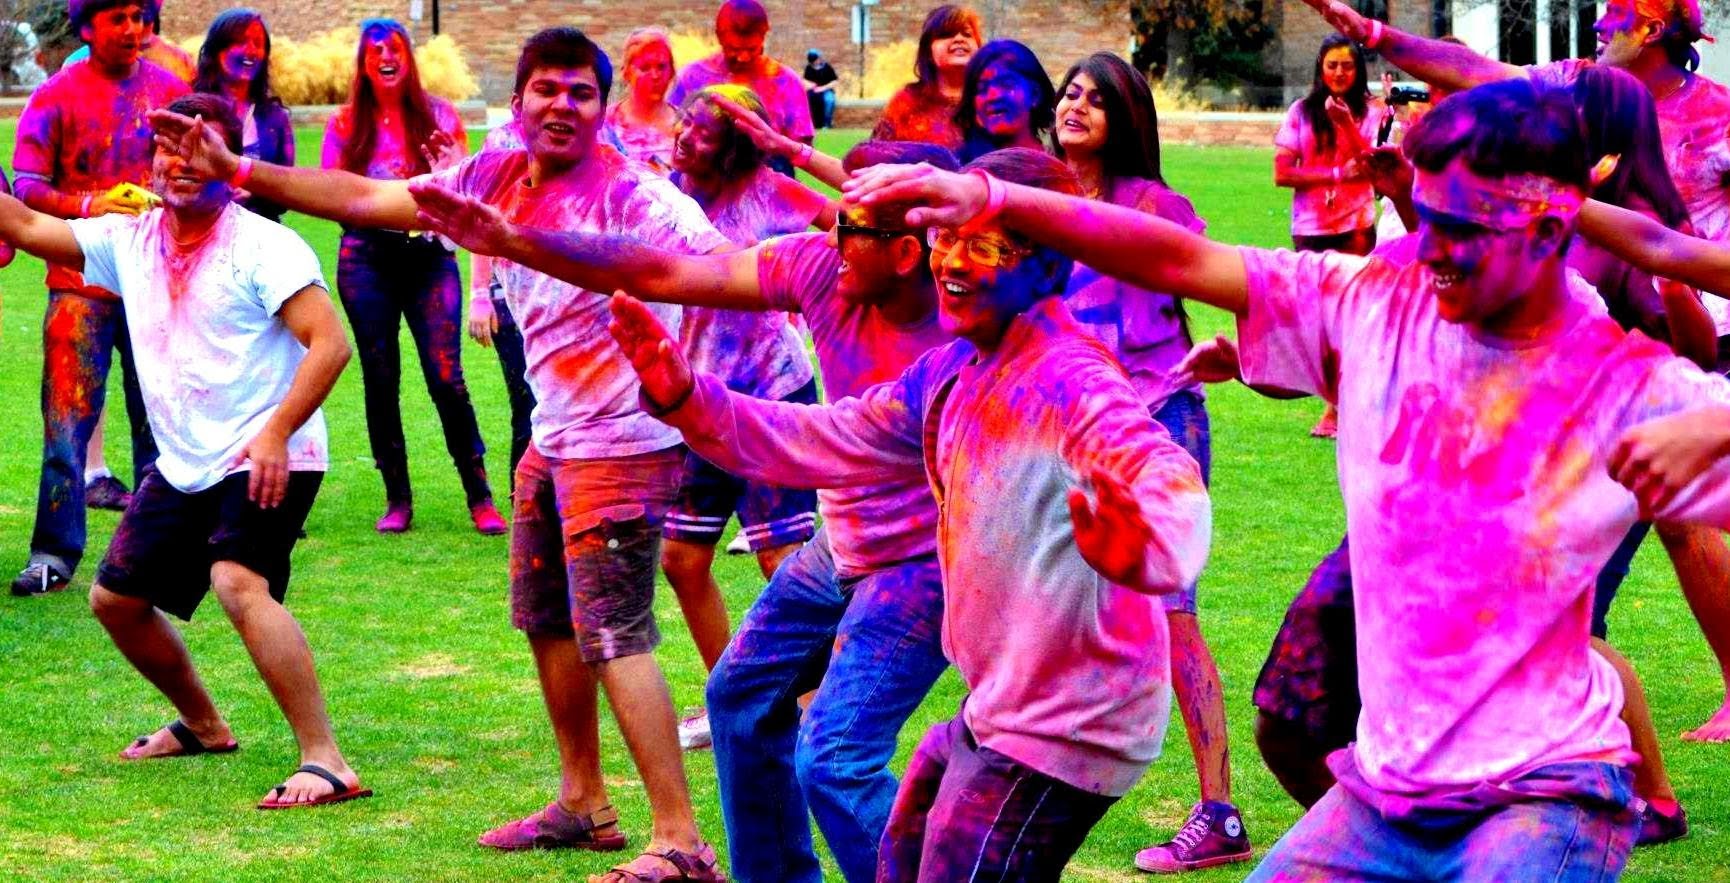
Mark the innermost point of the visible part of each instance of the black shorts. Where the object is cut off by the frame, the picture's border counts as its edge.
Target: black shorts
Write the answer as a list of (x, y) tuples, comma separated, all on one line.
[(168, 540), (1311, 674)]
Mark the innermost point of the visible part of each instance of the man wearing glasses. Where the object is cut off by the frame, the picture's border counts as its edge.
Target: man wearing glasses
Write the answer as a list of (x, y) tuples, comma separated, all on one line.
[(862, 600), (1064, 510)]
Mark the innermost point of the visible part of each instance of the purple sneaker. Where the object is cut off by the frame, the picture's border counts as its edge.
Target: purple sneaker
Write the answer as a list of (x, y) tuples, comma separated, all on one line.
[(1213, 835), (1656, 827), (396, 519)]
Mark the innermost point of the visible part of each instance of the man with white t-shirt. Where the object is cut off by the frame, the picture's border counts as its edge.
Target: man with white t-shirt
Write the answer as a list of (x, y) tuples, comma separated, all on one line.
[(237, 345), (1482, 402)]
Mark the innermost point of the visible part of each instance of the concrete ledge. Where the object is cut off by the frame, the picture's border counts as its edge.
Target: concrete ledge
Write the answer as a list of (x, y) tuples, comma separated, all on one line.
[(1176, 127), (473, 113)]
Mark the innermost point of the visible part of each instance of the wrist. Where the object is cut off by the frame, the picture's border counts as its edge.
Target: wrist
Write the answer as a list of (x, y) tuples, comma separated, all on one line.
[(657, 410), (241, 173), (996, 194), (85, 204), (1378, 33), (802, 154)]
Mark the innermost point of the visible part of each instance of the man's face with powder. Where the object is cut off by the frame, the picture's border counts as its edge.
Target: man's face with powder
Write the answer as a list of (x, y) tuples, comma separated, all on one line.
[(1479, 272)]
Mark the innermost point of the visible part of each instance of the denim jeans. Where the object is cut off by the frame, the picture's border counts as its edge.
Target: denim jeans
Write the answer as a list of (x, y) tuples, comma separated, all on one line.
[(1184, 415), (1585, 839), (384, 278), (79, 336), (872, 644), (508, 342), (1615, 572), (966, 812)]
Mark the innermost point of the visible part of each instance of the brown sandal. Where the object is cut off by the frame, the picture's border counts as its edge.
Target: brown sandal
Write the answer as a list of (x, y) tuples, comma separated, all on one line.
[(664, 865), (557, 828)]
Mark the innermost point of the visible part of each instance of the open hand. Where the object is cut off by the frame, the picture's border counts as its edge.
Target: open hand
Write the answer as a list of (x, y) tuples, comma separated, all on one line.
[(199, 144), (440, 151), (1343, 18), (756, 128), (268, 482), (1110, 532), (1388, 171), (1211, 361), (660, 364), (1658, 458), (939, 198), (483, 320), (469, 222), (1339, 113)]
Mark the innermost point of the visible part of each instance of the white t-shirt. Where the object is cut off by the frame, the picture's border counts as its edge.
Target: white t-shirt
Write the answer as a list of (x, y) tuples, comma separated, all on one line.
[(214, 361), (1479, 505)]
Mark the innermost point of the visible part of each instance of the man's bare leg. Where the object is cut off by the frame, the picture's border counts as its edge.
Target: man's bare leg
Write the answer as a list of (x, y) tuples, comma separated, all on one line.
[(1702, 563), (1651, 779), (568, 686), (153, 646), (687, 566), (638, 695), (280, 653)]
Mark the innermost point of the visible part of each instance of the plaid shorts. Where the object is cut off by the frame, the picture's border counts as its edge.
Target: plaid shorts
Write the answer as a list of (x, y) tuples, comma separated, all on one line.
[(769, 516), (1311, 674), (585, 544)]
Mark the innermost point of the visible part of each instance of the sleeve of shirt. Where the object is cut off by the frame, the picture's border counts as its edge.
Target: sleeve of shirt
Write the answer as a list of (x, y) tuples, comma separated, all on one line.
[(872, 439), (286, 266), (1289, 333), (96, 238), (667, 218), (1108, 431), (795, 106), (1676, 387), (34, 154), (1291, 131), (790, 270)]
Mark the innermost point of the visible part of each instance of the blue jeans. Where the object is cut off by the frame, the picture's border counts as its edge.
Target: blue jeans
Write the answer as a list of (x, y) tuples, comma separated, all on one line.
[(1615, 572), (513, 361), (1586, 838), (79, 337), (1185, 417), (870, 648)]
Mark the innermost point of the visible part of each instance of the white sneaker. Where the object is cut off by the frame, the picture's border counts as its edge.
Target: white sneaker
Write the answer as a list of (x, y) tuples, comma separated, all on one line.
[(739, 545), (694, 732)]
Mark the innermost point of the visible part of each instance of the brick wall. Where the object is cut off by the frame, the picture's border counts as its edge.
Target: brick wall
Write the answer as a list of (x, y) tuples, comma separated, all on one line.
[(492, 31)]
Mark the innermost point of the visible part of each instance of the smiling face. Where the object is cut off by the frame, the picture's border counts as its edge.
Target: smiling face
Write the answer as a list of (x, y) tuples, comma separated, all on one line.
[(1622, 34), (182, 191), (1480, 275), (873, 257), (1004, 102), (1081, 123), (116, 36), (701, 135), (952, 52), (1339, 70), (241, 62), (650, 72), (560, 111), (983, 282), (386, 61)]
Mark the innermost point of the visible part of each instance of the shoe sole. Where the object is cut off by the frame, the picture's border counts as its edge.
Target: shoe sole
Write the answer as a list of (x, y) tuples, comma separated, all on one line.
[(1201, 864)]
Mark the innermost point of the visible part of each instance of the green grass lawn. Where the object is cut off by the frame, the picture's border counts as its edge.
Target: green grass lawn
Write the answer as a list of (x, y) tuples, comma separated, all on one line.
[(434, 696)]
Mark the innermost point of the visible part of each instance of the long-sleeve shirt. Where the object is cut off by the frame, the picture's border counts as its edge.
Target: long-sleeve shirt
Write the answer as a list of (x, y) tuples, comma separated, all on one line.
[(1068, 673)]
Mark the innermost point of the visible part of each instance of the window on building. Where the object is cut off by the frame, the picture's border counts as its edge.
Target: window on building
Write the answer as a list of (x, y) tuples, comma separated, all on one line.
[(1441, 18), (1516, 32), (1376, 9)]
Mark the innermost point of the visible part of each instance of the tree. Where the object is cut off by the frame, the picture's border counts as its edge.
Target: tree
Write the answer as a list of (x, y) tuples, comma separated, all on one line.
[(1216, 40)]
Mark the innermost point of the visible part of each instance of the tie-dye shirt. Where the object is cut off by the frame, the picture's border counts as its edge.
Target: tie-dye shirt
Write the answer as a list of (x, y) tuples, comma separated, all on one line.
[(1066, 672), (585, 391), (1480, 509), (782, 91), (1328, 209), (82, 133), (1144, 328), (753, 352), (895, 520), (215, 359)]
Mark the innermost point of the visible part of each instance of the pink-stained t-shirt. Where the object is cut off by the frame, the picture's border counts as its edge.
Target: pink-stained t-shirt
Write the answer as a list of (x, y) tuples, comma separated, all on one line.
[(391, 157), (1479, 505), (779, 86), (82, 133), (753, 352), (915, 114), (214, 358), (585, 391), (1067, 673), (505, 136), (648, 144), (1352, 205), (895, 520), (1144, 328)]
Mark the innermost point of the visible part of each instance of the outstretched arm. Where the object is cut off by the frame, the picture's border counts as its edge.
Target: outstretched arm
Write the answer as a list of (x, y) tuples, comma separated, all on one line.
[(855, 441), (1139, 248), (1657, 249), (1449, 65), (326, 193), (595, 261), (42, 235)]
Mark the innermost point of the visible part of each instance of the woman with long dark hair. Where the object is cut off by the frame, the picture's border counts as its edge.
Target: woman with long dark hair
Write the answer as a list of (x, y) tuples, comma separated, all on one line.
[(1107, 131), (1333, 204), (1006, 100), (924, 110), (234, 62), (387, 276)]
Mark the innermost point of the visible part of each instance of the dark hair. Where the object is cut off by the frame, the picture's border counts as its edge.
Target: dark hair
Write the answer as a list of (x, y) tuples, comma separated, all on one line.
[(1513, 127), (738, 155), (80, 12), (1034, 168), (563, 47), (1620, 118), (1131, 121), (1357, 97), (216, 109), (1023, 63), (228, 28), (944, 21), (362, 109), (866, 154), (742, 17)]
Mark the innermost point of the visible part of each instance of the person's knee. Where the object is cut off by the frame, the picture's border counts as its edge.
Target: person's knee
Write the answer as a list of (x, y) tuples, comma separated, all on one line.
[(728, 702), (113, 609), (686, 565), (239, 589)]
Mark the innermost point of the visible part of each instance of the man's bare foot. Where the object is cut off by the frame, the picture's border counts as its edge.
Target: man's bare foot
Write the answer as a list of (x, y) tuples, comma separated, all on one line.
[(308, 788), (182, 739), (1716, 729)]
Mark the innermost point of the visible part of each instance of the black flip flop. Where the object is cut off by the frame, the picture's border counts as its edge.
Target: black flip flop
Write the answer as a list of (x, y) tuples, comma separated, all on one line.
[(341, 794), (190, 745)]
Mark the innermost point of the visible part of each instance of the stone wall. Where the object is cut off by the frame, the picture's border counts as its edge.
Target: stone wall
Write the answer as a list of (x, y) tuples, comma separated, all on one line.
[(492, 31)]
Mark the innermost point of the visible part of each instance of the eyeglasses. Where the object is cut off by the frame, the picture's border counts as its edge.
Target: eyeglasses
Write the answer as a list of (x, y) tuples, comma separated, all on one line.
[(989, 253), (844, 229)]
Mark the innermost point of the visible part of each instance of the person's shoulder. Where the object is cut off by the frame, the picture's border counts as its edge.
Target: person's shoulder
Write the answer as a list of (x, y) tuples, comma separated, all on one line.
[(444, 110), (701, 72), (158, 78)]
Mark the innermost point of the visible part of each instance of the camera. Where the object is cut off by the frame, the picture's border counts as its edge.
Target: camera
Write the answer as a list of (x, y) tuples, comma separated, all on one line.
[(1408, 95)]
